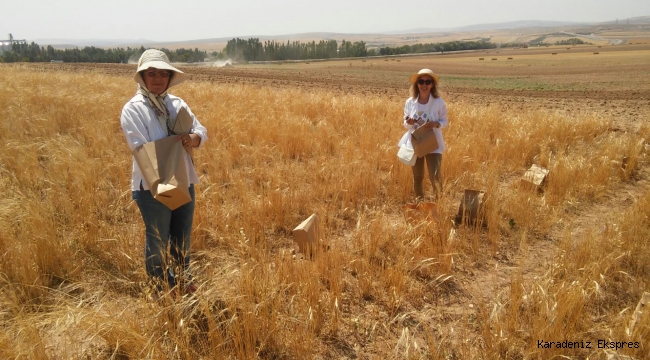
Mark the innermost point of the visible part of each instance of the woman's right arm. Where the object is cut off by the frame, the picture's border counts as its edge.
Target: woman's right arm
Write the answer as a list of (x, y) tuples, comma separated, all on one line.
[(134, 129), (408, 121)]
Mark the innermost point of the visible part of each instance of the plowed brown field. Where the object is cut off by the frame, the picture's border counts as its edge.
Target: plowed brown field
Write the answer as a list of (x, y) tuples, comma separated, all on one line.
[(615, 82)]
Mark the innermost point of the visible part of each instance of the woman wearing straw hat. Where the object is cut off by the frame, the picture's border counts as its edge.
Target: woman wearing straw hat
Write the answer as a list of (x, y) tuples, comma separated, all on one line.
[(150, 116), (426, 108)]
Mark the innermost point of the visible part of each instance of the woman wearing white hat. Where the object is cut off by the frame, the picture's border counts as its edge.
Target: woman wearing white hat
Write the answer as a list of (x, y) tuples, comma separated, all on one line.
[(150, 116), (426, 108)]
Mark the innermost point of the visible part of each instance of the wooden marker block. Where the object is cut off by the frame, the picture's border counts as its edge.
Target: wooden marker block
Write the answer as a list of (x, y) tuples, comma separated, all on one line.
[(535, 176), (307, 235), (471, 209)]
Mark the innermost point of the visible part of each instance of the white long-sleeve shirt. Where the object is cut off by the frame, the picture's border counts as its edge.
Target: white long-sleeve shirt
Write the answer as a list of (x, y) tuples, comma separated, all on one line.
[(140, 126), (438, 113)]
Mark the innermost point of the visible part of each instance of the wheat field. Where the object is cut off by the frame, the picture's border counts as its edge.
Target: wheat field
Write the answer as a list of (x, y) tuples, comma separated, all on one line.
[(72, 277)]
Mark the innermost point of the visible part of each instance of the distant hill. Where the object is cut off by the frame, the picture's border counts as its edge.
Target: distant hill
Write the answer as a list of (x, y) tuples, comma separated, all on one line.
[(523, 24), (517, 25), (638, 20), (69, 43), (72, 43), (492, 26)]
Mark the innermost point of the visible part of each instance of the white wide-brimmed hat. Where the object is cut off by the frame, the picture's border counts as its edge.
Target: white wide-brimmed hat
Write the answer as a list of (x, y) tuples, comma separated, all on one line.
[(427, 72), (157, 59)]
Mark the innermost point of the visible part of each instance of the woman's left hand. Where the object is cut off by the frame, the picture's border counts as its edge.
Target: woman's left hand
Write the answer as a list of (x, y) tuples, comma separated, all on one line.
[(187, 139), (432, 124)]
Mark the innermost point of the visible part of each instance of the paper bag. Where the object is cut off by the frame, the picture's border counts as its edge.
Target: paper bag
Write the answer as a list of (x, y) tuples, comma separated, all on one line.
[(162, 163), (535, 176), (471, 210), (307, 236), (183, 125), (424, 141)]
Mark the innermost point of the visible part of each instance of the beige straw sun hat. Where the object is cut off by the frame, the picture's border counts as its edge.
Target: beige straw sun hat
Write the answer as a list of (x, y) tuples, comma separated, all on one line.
[(427, 72), (157, 59)]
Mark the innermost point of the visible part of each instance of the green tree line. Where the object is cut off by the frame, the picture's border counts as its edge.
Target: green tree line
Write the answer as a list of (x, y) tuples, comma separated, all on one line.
[(437, 47), (539, 41), (572, 41), (35, 53), (254, 50), (248, 50)]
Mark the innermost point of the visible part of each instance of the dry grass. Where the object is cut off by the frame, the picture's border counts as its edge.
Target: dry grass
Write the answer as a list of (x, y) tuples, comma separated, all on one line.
[(73, 283)]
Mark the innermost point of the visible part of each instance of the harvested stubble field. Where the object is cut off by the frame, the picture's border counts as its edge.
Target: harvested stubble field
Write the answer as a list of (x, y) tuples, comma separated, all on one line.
[(568, 263)]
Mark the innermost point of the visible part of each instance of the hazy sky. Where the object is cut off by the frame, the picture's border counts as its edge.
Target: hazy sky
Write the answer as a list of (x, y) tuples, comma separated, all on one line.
[(166, 20)]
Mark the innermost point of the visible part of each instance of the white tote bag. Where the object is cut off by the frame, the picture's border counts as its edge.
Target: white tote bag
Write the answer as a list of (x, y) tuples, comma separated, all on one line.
[(407, 155)]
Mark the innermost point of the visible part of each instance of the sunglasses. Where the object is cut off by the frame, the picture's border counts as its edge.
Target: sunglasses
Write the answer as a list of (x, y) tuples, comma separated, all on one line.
[(427, 81), (153, 74)]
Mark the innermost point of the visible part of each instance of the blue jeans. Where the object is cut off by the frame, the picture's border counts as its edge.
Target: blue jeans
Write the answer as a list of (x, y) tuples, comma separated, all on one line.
[(167, 233)]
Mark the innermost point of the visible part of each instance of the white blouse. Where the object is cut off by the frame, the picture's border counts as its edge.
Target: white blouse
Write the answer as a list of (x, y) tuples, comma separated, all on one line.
[(140, 126), (438, 113)]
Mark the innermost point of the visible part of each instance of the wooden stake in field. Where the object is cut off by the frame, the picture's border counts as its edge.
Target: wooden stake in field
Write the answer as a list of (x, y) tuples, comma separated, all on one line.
[(307, 235), (535, 176), (471, 209)]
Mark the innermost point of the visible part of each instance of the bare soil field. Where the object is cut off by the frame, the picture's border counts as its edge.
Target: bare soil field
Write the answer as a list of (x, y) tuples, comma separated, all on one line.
[(569, 79), (596, 35)]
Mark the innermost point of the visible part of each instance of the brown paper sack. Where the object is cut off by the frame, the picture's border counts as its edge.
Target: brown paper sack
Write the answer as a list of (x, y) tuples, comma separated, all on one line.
[(535, 176), (183, 125), (424, 141), (162, 163), (471, 210), (307, 236), (424, 211)]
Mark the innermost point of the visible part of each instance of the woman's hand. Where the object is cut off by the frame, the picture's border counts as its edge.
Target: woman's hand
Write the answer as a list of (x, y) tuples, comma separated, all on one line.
[(431, 124), (410, 120), (189, 140)]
